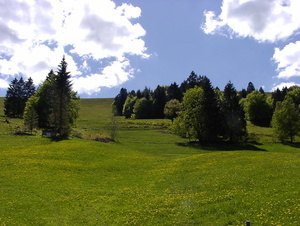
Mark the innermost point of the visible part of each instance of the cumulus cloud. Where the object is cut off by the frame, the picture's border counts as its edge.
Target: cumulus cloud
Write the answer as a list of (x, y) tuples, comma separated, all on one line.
[(263, 20), (35, 34), (3, 84), (114, 74), (284, 84), (288, 60)]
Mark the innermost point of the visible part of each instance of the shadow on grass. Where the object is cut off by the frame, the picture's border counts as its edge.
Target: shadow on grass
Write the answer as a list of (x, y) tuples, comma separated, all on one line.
[(58, 138), (294, 144), (223, 146)]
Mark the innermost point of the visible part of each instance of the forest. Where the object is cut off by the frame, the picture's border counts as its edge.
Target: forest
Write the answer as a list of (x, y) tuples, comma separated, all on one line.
[(205, 113)]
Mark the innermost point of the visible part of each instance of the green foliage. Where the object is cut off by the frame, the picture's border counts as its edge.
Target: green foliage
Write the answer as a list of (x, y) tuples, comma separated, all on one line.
[(149, 177), (129, 105), (159, 102), (16, 97), (30, 114), (120, 101), (258, 109), (233, 113), (286, 120), (172, 108), (142, 108), (191, 121), (57, 104)]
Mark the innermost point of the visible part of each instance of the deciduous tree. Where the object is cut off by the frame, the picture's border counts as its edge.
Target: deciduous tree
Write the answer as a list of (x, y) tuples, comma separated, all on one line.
[(286, 120)]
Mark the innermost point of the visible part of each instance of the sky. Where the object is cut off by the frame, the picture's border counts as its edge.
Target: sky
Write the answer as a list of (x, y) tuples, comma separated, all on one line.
[(114, 44)]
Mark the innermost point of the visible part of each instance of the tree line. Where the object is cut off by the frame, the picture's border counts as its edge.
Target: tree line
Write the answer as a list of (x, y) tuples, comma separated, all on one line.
[(200, 111), (54, 106)]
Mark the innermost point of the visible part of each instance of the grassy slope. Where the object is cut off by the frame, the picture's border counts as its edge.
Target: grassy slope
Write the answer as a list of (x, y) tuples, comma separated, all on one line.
[(148, 177)]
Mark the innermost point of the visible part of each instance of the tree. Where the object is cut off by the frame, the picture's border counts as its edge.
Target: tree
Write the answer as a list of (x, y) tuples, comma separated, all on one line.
[(234, 117), (16, 97), (174, 92), (67, 101), (191, 121), (128, 106), (258, 109), (250, 88), (172, 108), (142, 108), (286, 120), (57, 104), (212, 114), (159, 101), (119, 101), (10, 101), (30, 114)]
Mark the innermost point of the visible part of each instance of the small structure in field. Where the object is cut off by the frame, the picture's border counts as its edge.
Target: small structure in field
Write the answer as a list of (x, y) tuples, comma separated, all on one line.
[(49, 133)]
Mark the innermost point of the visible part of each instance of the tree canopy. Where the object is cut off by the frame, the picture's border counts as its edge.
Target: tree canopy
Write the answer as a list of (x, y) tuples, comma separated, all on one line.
[(16, 97), (56, 104)]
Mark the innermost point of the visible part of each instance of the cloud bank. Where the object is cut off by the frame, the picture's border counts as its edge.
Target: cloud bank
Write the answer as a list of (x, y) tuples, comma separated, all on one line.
[(265, 21), (98, 38)]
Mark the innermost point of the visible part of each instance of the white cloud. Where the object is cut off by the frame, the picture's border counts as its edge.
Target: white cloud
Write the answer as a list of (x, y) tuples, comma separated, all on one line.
[(35, 34), (284, 84), (263, 20), (288, 60), (116, 73), (3, 84)]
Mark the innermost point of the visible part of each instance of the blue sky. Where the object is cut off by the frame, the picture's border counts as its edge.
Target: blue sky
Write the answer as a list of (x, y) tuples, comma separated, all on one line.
[(132, 44)]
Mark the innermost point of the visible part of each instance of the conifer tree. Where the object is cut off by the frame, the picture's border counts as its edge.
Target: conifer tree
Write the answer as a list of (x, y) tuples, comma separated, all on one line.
[(233, 115), (57, 104), (16, 97)]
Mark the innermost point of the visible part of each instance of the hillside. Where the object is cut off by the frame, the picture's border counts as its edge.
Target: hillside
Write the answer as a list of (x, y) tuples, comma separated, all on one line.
[(148, 177)]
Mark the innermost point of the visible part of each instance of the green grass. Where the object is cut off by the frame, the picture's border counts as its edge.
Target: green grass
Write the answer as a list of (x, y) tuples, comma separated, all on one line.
[(148, 177)]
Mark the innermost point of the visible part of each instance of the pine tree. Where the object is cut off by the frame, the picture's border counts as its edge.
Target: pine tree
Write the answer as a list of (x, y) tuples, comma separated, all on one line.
[(57, 105), (10, 101), (64, 102), (16, 97), (159, 102), (120, 101), (233, 115)]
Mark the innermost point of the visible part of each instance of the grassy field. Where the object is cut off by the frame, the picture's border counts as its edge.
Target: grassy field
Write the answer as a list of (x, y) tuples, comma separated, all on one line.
[(148, 177)]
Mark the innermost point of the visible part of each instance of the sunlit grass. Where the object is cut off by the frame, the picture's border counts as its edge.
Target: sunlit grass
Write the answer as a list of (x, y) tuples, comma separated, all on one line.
[(148, 177)]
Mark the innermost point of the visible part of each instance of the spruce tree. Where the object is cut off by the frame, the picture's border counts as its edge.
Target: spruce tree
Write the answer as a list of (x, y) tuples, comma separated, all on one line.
[(16, 97), (233, 115), (120, 101), (10, 101), (57, 105), (64, 104)]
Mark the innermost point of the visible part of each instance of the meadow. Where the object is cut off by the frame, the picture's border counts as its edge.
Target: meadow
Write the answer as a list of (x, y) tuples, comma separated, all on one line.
[(147, 177)]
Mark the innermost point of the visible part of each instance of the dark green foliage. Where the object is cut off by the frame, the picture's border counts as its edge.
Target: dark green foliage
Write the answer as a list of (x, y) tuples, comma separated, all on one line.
[(119, 101), (243, 94), (212, 114), (16, 97), (261, 90), (234, 116), (159, 101), (57, 104), (174, 92), (190, 82), (250, 88), (278, 95)]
